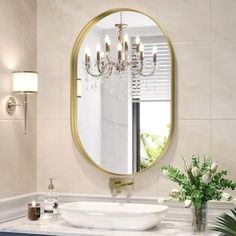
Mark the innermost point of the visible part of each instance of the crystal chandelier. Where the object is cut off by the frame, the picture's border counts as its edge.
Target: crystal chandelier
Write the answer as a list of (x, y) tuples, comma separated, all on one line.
[(104, 63)]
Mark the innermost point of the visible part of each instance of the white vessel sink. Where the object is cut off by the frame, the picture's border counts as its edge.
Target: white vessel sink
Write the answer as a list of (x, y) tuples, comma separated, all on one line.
[(113, 215)]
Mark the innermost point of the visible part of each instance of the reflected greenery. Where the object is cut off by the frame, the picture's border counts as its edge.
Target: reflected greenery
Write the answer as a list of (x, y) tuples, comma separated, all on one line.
[(152, 146)]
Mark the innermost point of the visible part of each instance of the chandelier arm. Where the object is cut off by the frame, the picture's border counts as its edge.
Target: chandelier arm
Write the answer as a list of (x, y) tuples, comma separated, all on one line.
[(149, 74), (139, 70), (125, 62), (108, 64), (100, 70), (126, 58), (107, 57), (107, 72), (110, 71), (90, 73)]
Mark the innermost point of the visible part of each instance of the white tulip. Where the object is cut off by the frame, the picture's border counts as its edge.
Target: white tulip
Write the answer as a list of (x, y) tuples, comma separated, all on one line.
[(226, 196), (195, 171), (206, 178), (187, 203), (166, 173), (163, 200), (174, 193), (214, 167), (189, 167)]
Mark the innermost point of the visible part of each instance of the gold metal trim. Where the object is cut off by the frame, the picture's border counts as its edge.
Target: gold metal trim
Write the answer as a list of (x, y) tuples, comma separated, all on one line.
[(23, 92), (25, 71), (73, 107)]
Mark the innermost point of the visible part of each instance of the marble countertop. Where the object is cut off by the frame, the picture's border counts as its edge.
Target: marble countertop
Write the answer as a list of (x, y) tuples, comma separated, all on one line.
[(60, 227)]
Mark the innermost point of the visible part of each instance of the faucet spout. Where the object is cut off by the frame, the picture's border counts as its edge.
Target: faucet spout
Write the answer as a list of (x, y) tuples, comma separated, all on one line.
[(119, 185)]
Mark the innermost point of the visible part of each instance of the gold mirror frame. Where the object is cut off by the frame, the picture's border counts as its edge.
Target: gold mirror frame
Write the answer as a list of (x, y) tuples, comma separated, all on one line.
[(73, 68)]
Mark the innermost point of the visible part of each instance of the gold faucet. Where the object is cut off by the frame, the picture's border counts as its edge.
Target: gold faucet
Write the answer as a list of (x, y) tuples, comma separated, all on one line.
[(117, 185)]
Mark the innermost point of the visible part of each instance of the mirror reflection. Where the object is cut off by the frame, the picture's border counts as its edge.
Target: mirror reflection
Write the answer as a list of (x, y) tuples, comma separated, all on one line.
[(124, 92)]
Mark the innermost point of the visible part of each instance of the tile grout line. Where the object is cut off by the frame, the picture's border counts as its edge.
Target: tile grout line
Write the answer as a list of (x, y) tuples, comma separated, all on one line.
[(210, 74)]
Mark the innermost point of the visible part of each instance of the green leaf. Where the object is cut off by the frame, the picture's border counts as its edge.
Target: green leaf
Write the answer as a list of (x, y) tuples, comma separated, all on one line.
[(197, 194), (226, 223), (195, 160), (176, 175), (234, 212), (225, 231)]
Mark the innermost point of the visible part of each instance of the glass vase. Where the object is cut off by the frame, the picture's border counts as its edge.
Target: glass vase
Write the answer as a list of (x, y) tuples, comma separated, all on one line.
[(199, 218)]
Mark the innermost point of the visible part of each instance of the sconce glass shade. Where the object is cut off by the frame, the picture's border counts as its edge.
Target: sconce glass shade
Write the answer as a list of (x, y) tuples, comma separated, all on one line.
[(25, 82)]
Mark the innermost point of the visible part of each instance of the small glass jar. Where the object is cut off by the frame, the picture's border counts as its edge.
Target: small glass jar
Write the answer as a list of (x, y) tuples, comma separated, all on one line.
[(33, 211)]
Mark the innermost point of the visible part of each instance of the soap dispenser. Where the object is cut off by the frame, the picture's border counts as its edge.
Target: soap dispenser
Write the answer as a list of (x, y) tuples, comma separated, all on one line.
[(51, 201)]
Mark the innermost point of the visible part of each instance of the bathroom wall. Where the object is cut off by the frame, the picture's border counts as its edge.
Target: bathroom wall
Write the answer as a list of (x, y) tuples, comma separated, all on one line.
[(17, 52), (203, 33)]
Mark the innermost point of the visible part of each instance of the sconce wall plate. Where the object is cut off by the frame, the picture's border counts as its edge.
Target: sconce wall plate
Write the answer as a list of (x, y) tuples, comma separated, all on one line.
[(11, 105)]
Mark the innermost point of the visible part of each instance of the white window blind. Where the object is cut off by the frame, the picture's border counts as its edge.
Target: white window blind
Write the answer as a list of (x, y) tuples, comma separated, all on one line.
[(157, 86)]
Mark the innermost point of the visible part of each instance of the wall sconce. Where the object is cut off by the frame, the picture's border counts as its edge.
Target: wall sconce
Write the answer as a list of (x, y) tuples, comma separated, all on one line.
[(24, 82)]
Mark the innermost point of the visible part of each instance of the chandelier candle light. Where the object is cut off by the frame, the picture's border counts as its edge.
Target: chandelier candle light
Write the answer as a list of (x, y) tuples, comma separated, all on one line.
[(104, 65)]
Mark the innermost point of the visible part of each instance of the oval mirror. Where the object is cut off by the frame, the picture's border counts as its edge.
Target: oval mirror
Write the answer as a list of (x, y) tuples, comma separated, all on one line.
[(122, 91)]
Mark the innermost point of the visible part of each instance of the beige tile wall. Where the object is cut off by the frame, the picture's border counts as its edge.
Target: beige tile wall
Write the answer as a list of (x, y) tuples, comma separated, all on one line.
[(17, 52), (204, 39)]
